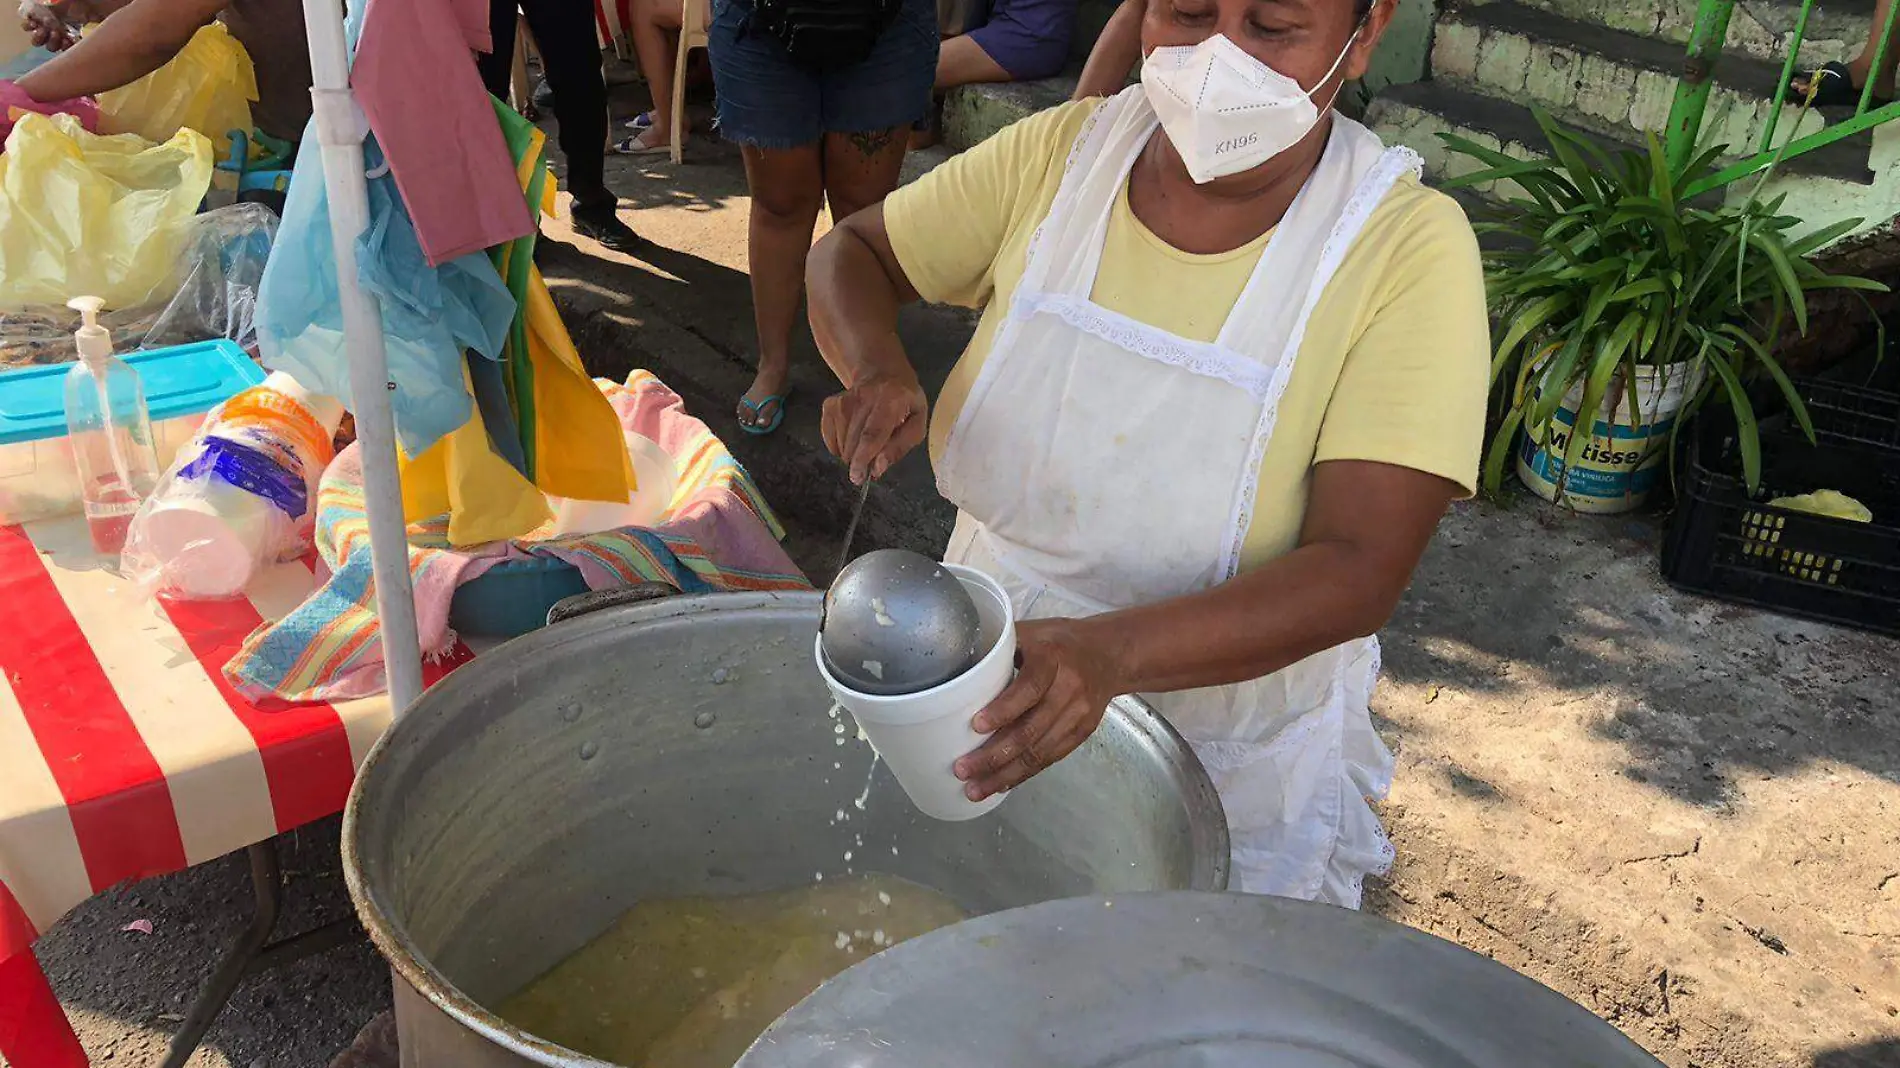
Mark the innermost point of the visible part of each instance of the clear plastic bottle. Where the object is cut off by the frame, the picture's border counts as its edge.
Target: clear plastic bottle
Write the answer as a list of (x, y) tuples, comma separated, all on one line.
[(110, 431)]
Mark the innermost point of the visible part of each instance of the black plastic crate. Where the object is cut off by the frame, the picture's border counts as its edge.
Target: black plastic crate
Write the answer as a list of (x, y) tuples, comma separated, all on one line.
[(1727, 543)]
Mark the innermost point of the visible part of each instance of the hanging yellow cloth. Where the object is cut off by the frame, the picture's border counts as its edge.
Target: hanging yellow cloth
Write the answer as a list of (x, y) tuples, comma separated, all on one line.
[(581, 451), (462, 476)]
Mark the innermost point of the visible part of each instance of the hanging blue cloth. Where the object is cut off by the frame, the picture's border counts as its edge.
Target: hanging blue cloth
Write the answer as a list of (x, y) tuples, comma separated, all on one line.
[(430, 314)]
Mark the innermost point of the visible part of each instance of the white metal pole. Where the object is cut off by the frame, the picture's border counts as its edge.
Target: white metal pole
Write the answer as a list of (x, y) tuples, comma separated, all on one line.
[(341, 128)]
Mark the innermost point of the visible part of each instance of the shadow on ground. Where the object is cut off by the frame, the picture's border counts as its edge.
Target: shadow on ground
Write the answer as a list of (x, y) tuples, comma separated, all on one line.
[(126, 992), (1885, 1054), (689, 320), (1704, 693)]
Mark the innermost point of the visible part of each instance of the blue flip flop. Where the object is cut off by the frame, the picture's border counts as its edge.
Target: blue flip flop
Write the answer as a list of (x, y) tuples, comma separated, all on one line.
[(758, 410)]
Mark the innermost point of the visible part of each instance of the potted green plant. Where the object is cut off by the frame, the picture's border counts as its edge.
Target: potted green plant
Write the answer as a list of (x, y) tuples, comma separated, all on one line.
[(1620, 305)]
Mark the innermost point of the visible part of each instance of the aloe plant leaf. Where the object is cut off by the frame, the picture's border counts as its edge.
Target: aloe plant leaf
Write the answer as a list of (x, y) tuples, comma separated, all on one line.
[(1748, 434), (1500, 450)]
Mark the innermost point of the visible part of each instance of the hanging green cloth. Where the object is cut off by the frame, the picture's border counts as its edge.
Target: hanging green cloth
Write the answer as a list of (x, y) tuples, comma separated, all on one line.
[(515, 260)]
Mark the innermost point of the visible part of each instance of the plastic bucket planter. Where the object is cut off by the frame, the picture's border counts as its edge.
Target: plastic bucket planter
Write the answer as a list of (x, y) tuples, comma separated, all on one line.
[(1623, 460)]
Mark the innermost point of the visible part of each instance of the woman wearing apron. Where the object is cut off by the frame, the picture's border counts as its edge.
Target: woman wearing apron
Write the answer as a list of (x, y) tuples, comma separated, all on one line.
[(1231, 370)]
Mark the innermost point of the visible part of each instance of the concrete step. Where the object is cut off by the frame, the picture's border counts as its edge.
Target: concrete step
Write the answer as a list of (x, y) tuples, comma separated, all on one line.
[(1620, 84), (1415, 115), (1763, 30), (974, 113), (921, 161)]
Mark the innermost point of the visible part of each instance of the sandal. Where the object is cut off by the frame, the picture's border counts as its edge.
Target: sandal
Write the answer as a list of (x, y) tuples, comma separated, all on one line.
[(637, 145), (762, 426), (642, 121), (1836, 88)]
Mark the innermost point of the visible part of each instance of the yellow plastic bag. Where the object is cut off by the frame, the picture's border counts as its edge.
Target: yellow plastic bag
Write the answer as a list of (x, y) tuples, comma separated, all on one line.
[(208, 87), (84, 213)]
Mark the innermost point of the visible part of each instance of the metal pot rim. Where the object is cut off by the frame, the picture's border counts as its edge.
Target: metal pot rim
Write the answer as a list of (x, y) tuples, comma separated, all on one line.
[(391, 938)]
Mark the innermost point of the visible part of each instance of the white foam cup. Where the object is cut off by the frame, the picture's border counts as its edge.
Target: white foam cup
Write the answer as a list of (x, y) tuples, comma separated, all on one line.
[(920, 735), (209, 539)]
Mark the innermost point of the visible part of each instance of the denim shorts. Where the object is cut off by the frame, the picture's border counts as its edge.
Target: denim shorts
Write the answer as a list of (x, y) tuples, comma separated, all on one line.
[(768, 101)]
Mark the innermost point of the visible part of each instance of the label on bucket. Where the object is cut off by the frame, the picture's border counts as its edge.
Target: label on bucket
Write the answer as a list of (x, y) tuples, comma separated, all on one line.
[(1616, 471)]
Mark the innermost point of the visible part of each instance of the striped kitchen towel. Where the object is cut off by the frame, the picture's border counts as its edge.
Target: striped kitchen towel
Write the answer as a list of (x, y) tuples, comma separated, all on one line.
[(717, 535)]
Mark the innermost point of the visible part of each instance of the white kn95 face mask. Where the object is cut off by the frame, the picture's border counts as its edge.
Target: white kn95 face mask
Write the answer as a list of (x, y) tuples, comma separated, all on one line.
[(1225, 111)]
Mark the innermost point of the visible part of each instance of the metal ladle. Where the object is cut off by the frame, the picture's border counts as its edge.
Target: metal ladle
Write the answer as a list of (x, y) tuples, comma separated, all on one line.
[(897, 622)]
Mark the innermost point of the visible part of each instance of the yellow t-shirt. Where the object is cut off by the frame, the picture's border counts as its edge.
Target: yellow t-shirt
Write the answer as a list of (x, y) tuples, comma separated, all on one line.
[(1396, 357)]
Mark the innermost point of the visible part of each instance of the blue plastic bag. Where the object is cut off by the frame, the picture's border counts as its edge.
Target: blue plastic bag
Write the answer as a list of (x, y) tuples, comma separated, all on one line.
[(430, 314)]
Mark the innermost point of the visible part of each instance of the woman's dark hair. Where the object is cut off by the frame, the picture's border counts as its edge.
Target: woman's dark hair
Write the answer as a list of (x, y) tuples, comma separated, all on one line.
[(1361, 8)]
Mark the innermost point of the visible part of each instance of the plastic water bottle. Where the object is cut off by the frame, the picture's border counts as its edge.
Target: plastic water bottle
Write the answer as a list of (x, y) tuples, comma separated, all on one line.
[(110, 431)]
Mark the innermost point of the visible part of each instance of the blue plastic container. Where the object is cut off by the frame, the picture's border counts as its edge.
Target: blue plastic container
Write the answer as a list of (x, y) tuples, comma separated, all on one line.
[(181, 384)]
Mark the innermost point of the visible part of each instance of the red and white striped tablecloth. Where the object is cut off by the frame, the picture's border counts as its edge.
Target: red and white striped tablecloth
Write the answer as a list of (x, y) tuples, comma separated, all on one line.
[(124, 754)]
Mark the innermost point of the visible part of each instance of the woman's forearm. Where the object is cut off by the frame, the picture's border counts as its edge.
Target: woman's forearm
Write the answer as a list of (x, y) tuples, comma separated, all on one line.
[(855, 287), (854, 303), (1366, 527), (1310, 600), (133, 41)]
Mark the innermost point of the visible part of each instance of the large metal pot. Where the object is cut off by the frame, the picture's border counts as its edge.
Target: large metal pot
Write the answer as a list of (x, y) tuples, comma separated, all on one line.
[(682, 748)]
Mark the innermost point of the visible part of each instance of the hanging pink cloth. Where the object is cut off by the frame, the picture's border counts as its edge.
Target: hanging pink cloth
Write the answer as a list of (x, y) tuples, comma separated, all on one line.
[(415, 77)]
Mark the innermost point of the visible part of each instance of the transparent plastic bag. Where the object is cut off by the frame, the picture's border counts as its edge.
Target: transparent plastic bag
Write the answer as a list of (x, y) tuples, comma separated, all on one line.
[(84, 213), (240, 496), (223, 256), (208, 87)]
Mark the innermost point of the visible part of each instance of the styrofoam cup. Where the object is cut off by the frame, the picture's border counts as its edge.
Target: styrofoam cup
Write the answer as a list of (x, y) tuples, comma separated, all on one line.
[(208, 541), (920, 735)]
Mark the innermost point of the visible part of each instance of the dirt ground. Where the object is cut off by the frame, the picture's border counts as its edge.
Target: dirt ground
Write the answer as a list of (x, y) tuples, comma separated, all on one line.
[(1683, 815)]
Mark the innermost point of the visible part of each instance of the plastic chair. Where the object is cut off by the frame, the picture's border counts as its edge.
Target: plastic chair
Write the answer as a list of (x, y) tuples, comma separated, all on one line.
[(266, 170), (692, 35), (611, 18)]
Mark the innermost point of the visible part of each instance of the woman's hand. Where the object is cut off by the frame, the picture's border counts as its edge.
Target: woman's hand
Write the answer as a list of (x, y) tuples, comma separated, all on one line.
[(1065, 679), (876, 422), (44, 26)]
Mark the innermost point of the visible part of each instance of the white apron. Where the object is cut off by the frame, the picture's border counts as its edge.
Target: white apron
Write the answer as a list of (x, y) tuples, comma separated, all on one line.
[(1100, 463)]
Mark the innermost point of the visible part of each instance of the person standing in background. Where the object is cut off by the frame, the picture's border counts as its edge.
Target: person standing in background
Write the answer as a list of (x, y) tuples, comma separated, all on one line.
[(813, 129), (570, 59), (1841, 83)]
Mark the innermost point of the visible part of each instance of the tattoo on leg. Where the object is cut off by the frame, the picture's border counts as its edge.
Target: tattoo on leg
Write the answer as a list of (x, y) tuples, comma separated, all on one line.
[(872, 142)]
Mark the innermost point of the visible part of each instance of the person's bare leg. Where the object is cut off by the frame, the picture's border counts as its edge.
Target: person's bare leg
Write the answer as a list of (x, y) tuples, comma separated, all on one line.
[(788, 186), (961, 61), (1863, 64), (655, 31), (861, 169)]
